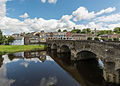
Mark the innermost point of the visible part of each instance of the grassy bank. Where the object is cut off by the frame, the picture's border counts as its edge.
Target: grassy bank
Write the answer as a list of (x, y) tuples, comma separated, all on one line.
[(19, 48)]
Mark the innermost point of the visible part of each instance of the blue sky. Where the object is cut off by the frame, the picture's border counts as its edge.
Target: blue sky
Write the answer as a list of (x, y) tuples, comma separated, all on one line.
[(35, 8), (18, 16)]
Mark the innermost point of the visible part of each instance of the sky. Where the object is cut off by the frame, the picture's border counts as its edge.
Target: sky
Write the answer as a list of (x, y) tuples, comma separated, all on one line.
[(18, 16)]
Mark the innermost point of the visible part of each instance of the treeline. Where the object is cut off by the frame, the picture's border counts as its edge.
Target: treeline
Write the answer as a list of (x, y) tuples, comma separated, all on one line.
[(89, 31), (5, 40)]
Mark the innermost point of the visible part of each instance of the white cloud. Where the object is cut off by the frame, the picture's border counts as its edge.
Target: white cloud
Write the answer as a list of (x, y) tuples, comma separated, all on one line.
[(66, 17), (24, 16), (109, 18), (52, 1), (4, 81), (82, 13), (13, 25), (108, 10), (43, 1), (2, 8)]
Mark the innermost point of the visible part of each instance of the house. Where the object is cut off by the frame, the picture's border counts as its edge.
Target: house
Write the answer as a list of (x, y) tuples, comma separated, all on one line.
[(42, 35), (18, 40), (82, 36), (109, 36)]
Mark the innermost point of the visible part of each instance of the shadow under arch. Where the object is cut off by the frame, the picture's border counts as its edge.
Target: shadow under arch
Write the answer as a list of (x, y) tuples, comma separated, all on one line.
[(54, 46), (65, 49), (86, 55)]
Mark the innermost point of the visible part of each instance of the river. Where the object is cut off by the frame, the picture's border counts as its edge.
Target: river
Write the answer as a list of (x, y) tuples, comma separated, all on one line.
[(41, 68)]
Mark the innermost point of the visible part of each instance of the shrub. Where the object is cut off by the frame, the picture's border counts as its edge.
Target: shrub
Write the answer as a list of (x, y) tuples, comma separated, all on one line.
[(89, 38), (110, 39), (116, 39), (96, 38)]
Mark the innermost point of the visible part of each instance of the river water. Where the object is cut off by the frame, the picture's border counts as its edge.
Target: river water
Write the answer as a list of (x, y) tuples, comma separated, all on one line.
[(39, 68)]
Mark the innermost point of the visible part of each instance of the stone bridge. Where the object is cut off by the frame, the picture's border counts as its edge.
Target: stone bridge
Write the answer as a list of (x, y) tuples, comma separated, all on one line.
[(106, 51)]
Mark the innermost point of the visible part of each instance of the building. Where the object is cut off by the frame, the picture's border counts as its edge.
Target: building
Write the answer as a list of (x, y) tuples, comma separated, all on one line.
[(109, 36), (82, 36), (18, 41), (42, 36)]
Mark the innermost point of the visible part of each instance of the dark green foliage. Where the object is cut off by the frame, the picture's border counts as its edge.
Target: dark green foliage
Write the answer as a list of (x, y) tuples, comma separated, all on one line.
[(101, 32), (96, 39), (116, 39), (86, 31), (59, 30), (10, 39), (1, 37), (117, 30), (76, 31), (64, 30), (110, 39), (89, 38)]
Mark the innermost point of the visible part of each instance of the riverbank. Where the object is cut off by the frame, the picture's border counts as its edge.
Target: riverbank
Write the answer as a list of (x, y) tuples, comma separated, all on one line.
[(19, 48)]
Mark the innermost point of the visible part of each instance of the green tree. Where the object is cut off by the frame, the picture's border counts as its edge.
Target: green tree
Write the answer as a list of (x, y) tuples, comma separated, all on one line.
[(89, 38), (10, 39), (116, 39), (109, 39), (76, 31), (86, 31), (1, 37), (64, 30), (5, 40), (117, 30), (96, 38), (59, 30)]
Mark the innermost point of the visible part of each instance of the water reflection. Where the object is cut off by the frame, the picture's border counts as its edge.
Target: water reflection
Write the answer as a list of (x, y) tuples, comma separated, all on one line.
[(33, 69), (37, 68)]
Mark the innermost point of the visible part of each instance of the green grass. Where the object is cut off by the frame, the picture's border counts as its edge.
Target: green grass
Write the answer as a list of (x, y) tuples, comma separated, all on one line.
[(19, 48)]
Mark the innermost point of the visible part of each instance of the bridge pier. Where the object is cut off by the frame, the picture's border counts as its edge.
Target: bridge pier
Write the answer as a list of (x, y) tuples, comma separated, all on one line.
[(73, 55)]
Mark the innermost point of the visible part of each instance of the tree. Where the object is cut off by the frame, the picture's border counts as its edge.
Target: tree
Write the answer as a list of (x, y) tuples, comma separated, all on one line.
[(1, 37), (96, 38), (86, 31), (116, 39), (5, 40), (59, 30), (117, 30), (89, 38), (76, 31), (64, 30), (10, 39)]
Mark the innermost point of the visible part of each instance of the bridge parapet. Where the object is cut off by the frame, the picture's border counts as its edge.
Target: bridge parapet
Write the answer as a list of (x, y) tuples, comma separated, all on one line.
[(106, 50)]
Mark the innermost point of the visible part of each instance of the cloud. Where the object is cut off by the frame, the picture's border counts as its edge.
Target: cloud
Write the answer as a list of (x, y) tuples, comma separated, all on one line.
[(24, 16), (49, 1), (43, 1), (109, 18), (108, 10), (52, 1), (13, 25), (82, 13), (48, 82), (4, 81)]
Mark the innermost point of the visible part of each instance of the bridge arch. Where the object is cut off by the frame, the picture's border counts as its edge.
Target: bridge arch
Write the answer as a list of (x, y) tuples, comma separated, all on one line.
[(85, 55), (54, 46), (65, 49)]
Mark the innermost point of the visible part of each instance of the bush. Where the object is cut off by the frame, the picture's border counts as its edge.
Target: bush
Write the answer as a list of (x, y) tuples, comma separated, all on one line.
[(96, 38), (89, 38), (116, 39), (110, 39)]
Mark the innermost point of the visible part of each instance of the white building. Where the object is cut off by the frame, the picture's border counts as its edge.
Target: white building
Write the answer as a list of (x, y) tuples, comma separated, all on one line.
[(18, 41)]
